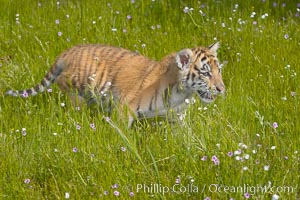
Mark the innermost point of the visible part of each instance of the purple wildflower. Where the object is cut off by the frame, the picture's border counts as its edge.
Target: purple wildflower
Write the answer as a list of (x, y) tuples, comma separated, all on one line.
[(78, 127), (286, 36), (93, 126), (115, 186), (27, 181), (247, 195), (186, 9), (177, 180), (204, 158), (75, 150), (131, 194), (129, 17), (116, 193), (215, 160), (123, 149), (24, 131), (25, 94), (107, 119), (59, 33), (230, 154), (275, 125), (274, 4), (49, 90), (254, 22), (57, 21), (105, 193)]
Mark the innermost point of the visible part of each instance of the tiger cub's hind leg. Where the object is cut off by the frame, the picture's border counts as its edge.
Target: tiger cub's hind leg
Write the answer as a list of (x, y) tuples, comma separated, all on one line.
[(101, 97), (76, 100)]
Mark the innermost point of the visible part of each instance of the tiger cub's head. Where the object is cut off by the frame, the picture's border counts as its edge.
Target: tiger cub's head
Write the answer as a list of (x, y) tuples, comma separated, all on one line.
[(200, 71)]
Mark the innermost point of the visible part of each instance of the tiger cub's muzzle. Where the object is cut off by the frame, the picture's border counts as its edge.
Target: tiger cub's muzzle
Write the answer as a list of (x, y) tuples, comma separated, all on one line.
[(210, 95)]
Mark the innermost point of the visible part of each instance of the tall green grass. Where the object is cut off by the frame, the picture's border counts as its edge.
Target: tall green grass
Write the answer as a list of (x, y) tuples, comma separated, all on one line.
[(51, 150)]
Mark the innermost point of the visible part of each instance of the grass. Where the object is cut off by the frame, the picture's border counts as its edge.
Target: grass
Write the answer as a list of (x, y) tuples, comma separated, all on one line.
[(50, 150)]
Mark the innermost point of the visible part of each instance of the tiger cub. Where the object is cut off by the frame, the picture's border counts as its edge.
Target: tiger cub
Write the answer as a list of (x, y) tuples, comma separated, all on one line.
[(148, 88)]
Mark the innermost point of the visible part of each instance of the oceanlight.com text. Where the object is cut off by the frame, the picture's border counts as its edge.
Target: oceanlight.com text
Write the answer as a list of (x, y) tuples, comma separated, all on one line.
[(217, 188)]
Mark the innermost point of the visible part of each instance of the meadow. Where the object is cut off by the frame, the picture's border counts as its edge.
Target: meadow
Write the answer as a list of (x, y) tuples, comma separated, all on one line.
[(245, 145)]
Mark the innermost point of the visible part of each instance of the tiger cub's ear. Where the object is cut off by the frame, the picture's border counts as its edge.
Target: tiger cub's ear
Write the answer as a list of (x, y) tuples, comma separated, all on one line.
[(214, 47), (184, 58)]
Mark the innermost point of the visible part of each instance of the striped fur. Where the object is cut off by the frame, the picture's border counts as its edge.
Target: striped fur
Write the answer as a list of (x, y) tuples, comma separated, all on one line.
[(147, 87)]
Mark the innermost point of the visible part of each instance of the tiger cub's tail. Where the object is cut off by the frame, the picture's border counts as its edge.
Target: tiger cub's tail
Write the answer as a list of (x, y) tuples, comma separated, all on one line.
[(46, 82)]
